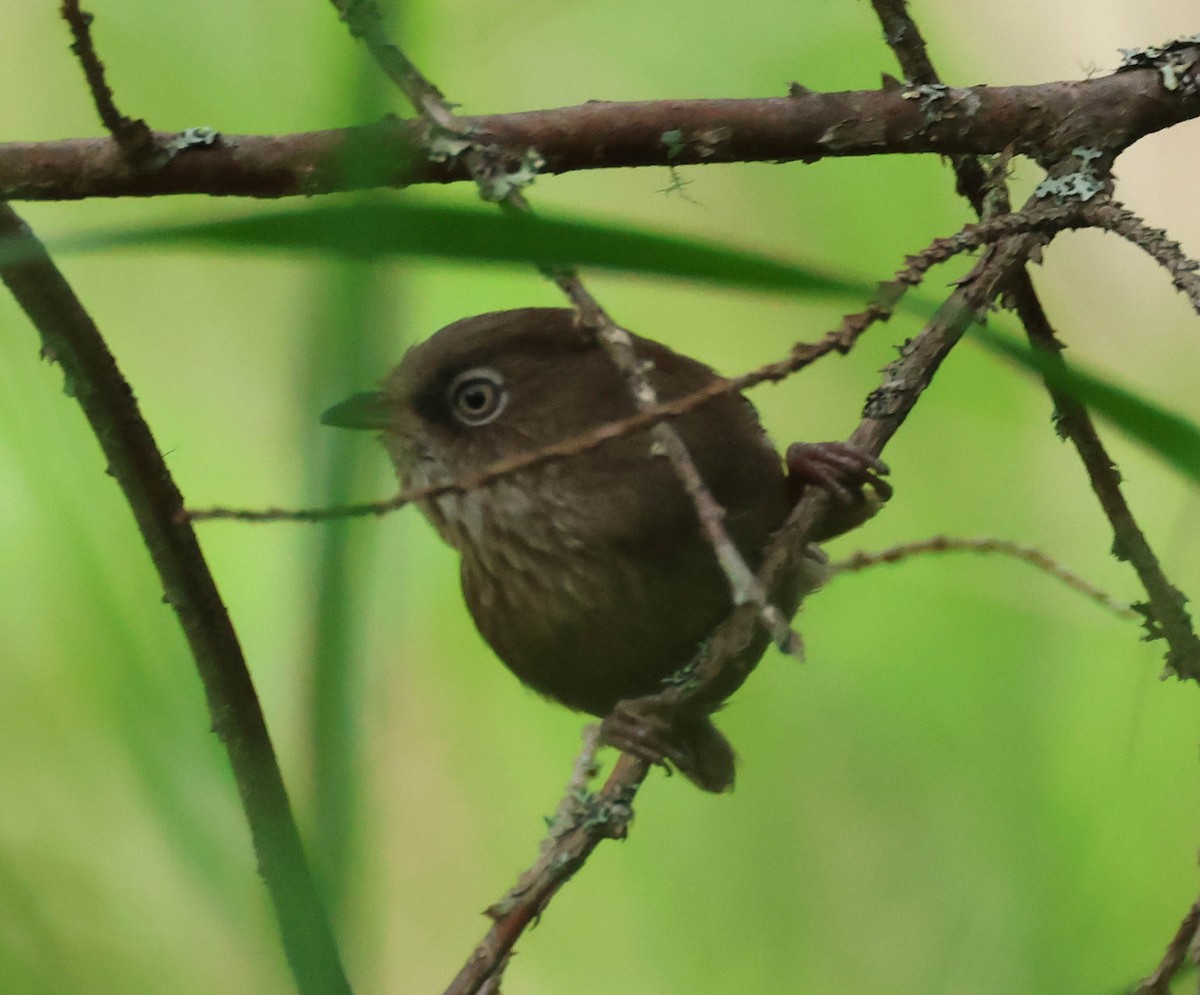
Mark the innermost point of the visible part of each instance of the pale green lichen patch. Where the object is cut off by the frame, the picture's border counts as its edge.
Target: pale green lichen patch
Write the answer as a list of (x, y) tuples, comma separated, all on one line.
[(444, 146), (1173, 60), (1083, 184), (191, 138), (501, 184), (1145, 58)]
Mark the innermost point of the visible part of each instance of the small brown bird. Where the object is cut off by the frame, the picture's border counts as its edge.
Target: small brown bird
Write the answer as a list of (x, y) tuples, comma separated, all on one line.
[(589, 576)]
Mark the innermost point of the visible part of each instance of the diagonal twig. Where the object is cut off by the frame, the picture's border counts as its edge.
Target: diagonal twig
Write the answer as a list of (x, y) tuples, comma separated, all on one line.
[(71, 338), (1182, 943)]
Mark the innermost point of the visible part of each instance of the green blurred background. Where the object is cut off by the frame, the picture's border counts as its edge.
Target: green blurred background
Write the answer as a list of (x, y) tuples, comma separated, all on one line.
[(977, 783)]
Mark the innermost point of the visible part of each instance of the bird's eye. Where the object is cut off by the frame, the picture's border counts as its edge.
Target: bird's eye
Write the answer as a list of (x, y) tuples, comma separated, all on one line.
[(477, 396)]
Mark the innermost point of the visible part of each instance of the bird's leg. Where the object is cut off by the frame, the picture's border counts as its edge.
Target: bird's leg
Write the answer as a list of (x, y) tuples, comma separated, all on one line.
[(842, 471)]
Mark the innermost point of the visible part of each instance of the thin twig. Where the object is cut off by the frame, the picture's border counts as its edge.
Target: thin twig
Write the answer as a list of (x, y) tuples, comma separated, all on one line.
[(986, 544), (1182, 943), (133, 136), (1167, 615), (583, 771), (70, 337), (904, 38), (1114, 217)]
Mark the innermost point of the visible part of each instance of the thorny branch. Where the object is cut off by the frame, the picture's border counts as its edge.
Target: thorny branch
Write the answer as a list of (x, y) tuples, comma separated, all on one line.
[(1166, 613), (584, 821), (1045, 122), (1113, 217)]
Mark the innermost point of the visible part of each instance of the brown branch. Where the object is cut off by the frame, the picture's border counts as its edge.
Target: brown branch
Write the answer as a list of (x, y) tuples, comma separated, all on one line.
[(1167, 612), (364, 18), (904, 38), (1159, 981), (71, 338), (133, 138), (1044, 121)]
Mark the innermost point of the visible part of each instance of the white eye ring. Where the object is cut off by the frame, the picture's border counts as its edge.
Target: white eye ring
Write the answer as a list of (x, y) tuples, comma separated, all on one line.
[(477, 396)]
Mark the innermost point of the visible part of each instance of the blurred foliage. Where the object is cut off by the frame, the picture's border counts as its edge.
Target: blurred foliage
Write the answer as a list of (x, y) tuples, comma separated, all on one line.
[(976, 783)]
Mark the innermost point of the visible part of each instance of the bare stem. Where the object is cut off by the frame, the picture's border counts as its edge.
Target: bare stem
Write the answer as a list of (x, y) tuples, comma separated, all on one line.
[(71, 338)]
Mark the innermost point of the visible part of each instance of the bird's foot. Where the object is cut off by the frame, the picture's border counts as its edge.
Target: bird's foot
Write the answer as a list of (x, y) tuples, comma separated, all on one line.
[(837, 468), (653, 732), (842, 471)]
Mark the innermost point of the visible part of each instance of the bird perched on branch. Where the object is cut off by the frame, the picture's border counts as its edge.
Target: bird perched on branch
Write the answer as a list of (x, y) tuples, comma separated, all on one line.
[(589, 575)]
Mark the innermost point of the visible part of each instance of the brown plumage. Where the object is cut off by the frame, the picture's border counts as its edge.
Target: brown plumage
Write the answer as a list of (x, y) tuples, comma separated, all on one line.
[(588, 576)]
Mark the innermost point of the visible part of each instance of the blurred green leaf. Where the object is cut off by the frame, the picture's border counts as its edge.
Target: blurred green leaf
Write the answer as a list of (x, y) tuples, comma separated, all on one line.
[(378, 229), (395, 228)]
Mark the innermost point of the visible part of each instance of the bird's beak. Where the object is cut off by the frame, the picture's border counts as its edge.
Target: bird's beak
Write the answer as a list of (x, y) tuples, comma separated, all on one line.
[(370, 411)]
